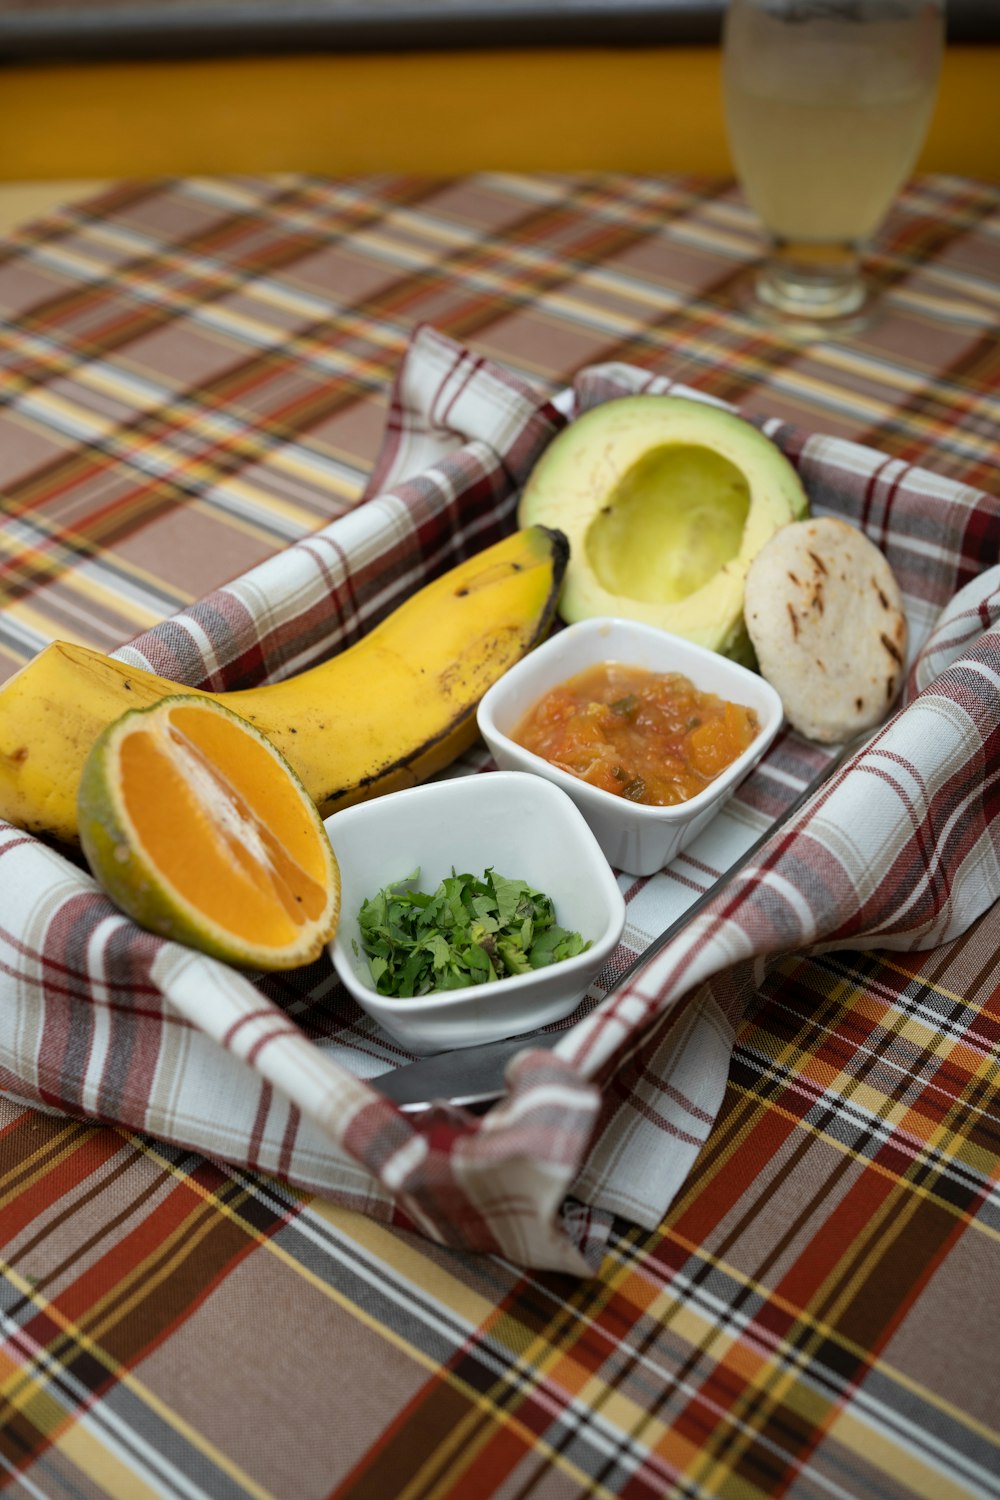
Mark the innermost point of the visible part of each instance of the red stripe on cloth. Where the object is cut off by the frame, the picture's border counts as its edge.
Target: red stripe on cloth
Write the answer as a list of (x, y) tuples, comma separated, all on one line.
[(81, 1153)]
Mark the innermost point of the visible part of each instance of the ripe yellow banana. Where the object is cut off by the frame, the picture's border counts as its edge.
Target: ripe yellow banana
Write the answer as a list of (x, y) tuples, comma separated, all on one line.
[(385, 713)]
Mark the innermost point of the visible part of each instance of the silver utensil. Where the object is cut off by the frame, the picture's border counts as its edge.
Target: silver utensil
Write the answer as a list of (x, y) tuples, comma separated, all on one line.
[(474, 1076)]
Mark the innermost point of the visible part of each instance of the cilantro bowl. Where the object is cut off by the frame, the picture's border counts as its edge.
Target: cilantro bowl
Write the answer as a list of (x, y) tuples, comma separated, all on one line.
[(551, 893)]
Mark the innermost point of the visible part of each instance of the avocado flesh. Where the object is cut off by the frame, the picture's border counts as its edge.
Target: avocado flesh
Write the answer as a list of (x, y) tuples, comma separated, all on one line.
[(674, 519), (664, 500)]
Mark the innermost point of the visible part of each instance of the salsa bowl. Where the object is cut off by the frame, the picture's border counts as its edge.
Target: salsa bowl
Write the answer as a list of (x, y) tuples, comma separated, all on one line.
[(518, 825), (636, 838)]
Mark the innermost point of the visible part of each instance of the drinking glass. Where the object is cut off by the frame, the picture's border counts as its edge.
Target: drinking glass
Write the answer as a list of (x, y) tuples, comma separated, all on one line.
[(827, 106)]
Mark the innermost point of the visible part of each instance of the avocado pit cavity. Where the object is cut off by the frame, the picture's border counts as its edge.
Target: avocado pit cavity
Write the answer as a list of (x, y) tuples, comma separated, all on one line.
[(673, 520)]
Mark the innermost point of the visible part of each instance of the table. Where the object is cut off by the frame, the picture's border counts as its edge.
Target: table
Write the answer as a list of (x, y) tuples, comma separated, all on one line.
[(817, 1313)]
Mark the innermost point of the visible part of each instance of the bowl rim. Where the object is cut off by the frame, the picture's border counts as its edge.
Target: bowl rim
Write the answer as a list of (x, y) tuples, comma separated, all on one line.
[(600, 949), (575, 786)]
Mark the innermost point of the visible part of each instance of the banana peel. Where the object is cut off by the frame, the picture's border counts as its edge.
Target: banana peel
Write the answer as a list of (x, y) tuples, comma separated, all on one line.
[(385, 713)]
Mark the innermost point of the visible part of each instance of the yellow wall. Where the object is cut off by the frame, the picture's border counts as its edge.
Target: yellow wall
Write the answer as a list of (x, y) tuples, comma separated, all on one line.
[(649, 110)]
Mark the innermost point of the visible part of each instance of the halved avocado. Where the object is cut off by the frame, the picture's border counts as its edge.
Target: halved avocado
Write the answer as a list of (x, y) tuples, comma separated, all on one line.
[(665, 502)]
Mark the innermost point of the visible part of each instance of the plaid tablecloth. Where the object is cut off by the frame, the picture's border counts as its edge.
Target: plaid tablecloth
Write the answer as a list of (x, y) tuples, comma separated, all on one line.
[(182, 361)]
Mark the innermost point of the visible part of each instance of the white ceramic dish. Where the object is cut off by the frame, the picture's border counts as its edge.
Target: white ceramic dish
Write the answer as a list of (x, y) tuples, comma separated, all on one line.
[(635, 838), (521, 826)]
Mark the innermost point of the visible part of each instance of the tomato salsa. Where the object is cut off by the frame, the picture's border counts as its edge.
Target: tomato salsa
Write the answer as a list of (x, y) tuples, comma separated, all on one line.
[(652, 737)]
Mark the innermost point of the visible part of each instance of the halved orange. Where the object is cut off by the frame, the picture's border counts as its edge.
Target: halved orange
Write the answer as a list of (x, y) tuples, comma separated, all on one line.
[(198, 828)]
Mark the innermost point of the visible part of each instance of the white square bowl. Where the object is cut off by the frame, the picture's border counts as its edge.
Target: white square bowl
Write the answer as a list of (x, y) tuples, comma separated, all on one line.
[(636, 838), (523, 827)]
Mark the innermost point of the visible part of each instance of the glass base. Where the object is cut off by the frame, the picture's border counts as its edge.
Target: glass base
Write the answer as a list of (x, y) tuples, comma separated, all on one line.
[(807, 300)]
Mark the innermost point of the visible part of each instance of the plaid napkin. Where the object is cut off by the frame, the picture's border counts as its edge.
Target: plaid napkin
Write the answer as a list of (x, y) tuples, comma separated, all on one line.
[(103, 1021)]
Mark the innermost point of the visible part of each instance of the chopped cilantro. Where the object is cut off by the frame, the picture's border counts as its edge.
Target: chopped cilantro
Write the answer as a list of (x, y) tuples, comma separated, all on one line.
[(635, 789), (625, 707), (468, 931)]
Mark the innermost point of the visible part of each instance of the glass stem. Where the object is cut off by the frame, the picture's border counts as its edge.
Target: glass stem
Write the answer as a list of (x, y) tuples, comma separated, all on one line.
[(815, 281)]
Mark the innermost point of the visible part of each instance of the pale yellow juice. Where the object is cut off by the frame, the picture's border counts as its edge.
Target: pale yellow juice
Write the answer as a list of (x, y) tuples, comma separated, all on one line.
[(826, 117)]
